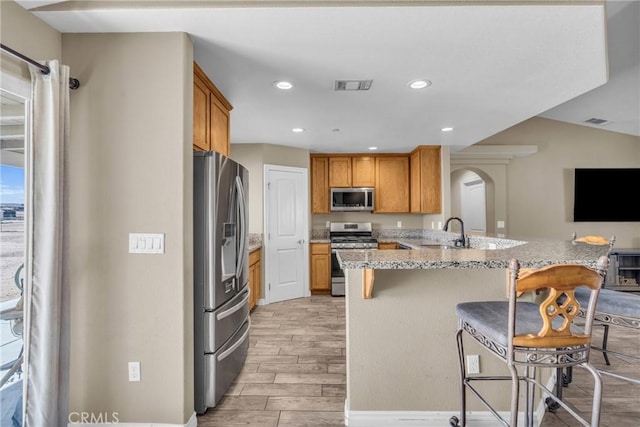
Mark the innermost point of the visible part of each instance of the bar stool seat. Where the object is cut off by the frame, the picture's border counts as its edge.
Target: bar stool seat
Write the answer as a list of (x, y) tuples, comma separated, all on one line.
[(490, 319), (614, 308), (529, 335), (615, 304)]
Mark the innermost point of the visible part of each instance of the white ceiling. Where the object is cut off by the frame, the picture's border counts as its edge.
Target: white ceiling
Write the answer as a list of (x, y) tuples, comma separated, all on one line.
[(492, 66)]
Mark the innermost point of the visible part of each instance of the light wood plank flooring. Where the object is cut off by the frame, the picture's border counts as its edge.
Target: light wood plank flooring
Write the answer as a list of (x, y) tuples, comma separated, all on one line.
[(295, 373), (620, 399)]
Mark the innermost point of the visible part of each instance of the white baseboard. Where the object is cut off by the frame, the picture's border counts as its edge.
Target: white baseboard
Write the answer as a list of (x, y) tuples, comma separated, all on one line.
[(261, 301), (417, 418), (437, 418), (112, 419)]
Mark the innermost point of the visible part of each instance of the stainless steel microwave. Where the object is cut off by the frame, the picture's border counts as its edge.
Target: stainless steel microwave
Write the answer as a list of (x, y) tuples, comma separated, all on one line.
[(351, 199)]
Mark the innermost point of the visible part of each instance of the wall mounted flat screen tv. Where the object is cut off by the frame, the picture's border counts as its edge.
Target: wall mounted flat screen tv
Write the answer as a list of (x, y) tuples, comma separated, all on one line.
[(606, 195)]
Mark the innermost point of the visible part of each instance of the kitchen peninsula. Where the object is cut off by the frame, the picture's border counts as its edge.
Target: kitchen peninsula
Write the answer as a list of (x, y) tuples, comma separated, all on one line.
[(401, 355)]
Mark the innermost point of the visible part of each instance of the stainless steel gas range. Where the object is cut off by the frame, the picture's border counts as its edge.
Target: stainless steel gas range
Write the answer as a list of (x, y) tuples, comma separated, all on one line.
[(347, 236)]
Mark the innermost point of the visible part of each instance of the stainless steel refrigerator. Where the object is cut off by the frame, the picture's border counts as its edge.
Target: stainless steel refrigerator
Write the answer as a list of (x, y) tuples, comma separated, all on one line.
[(221, 275)]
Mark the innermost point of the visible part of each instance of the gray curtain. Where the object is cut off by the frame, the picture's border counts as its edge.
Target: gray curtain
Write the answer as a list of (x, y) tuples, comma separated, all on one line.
[(47, 302)]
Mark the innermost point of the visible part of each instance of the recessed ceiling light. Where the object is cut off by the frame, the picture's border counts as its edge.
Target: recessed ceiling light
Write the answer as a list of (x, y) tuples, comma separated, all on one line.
[(335, 130), (284, 85), (419, 84), (297, 130), (447, 129), (373, 148)]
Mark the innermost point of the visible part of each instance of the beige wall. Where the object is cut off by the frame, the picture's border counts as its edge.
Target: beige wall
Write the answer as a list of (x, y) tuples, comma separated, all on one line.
[(254, 157), (130, 170), (401, 344), (378, 221), (23, 32), (539, 187)]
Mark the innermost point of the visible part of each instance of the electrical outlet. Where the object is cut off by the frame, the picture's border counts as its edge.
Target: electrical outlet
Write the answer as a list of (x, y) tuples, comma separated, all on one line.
[(500, 224), (134, 371), (433, 225), (327, 224), (399, 224), (439, 225), (473, 364)]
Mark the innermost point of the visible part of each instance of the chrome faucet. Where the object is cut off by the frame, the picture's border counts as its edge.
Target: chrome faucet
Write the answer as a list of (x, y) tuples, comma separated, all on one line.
[(462, 241)]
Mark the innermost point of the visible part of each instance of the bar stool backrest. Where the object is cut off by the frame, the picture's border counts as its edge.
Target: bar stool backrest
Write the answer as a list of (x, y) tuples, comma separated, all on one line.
[(560, 307)]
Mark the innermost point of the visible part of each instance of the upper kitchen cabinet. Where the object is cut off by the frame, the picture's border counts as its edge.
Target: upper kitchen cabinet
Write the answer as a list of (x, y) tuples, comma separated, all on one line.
[(426, 186), (339, 172), (392, 184), (363, 171), (351, 171), (211, 115), (201, 129), (319, 185)]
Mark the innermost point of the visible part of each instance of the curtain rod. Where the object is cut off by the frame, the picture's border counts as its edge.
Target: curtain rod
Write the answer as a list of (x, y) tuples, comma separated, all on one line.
[(73, 83)]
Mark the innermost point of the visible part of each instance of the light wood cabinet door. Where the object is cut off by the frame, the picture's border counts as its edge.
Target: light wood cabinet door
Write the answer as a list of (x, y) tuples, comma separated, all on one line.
[(320, 267), (363, 170), (200, 114), (255, 272), (219, 127), (387, 245), (426, 179), (392, 184), (339, 172), (414, 168), (211, 115), (320, 185)]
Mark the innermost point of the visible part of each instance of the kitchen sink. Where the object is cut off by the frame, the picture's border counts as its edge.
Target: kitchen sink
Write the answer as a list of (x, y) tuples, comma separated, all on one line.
[(440, 246)]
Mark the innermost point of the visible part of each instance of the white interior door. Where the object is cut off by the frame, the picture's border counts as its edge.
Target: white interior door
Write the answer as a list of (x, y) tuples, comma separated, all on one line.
[(286, 233), (473, 205)]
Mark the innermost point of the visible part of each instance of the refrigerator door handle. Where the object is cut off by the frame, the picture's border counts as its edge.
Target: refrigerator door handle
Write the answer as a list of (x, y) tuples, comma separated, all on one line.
[(243, 230), (235, 345), (233, 309)]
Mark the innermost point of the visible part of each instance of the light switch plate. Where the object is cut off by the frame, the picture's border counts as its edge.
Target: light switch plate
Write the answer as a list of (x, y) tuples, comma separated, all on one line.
[(500, 224), (146, 243)]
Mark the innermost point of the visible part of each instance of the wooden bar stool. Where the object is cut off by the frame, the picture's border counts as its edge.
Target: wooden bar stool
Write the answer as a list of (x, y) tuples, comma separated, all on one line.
[(530, 336), (564, 379)]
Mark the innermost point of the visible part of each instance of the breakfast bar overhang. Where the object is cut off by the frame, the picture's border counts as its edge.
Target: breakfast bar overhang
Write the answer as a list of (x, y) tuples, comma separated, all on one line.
[(401, 354)]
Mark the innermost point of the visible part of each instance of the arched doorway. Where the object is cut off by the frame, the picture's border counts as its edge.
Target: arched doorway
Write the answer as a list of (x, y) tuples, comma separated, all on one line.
[(472, 199)]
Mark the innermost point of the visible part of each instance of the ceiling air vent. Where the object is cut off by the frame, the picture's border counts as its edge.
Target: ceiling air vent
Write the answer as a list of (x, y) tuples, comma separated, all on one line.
[(596, 121), (353, 84)]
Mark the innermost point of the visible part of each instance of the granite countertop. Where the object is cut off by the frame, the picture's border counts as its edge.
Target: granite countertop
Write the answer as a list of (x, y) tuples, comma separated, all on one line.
[(255, 241), (485, 252)]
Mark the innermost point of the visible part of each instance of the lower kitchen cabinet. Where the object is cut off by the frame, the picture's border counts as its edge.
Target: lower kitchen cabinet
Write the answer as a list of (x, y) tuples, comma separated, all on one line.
[(255, 271), (320, 268), (387, 245)]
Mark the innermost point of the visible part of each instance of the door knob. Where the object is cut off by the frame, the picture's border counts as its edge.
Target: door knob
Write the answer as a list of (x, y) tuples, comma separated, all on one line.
[(300, 242)]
